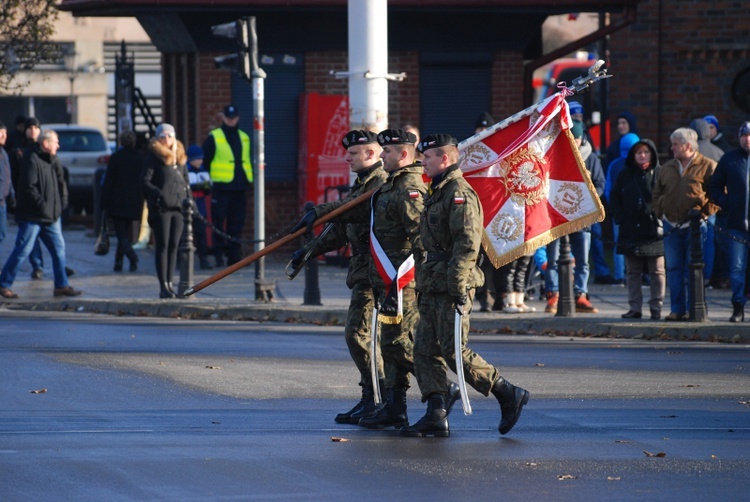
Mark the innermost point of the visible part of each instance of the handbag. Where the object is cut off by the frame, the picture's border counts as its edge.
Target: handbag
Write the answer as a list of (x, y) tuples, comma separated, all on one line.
[(101, 247)]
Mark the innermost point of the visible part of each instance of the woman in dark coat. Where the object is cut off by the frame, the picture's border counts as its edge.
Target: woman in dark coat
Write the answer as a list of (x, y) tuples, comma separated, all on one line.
[(123, 196), (166, 184), (640, 238)]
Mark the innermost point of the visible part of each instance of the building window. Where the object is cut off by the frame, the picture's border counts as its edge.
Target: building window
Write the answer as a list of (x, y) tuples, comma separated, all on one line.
[(741, 90)]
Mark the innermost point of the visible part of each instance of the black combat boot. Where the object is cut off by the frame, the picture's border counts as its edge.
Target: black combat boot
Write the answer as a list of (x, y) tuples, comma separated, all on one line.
[(365, 407), (511, 399), (393, 414), (738, 312), (433, 423)]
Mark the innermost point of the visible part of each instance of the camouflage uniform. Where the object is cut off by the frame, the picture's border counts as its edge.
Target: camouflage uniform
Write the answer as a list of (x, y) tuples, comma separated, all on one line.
[(397, 206), (451, 234), (353, 227)]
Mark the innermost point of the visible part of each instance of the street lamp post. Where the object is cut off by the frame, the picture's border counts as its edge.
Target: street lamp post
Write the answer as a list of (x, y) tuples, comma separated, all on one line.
[(70, 57)]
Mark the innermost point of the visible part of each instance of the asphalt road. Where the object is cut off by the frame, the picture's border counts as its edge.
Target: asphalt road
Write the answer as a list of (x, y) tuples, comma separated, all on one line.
[(160, 409)]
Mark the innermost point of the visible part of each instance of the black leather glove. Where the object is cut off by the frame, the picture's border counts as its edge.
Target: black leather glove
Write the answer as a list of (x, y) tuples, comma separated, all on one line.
[(298, 258), (460, 302), (307, 220)]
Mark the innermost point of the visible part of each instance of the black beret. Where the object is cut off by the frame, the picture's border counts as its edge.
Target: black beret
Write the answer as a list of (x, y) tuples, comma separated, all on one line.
[(359, 137), (396, 137), (436, 141)]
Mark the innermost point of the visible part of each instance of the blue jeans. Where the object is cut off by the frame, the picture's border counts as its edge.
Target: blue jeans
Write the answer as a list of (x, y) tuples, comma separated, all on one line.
[(709, 249), (601, 269), (677, 257), (738, 265), (3, 222), (618, 260), (580, 242), (51, 235), (35, 256)]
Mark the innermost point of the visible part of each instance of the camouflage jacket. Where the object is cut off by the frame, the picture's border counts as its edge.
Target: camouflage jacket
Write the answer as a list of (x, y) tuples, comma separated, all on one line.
[(397, 207), (352, 227), (451, 234)]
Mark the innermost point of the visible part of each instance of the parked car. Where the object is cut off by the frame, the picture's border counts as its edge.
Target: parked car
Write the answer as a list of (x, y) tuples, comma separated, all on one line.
[(83, 150)]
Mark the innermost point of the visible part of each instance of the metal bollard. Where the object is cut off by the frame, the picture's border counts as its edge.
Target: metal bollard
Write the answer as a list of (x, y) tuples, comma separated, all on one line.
[(698, 308), (311, 295), (187, 250), (566, 301)]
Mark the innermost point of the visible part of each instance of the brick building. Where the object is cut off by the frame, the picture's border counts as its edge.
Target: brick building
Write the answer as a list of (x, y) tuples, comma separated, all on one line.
[(673, 60)]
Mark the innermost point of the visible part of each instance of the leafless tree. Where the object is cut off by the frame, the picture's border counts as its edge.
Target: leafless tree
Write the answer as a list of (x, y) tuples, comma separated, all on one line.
[(25, 30)]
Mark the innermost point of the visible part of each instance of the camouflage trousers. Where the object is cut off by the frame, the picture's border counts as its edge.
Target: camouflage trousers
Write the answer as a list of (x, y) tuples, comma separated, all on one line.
[(358, 332), (434, 348), (397, 343)]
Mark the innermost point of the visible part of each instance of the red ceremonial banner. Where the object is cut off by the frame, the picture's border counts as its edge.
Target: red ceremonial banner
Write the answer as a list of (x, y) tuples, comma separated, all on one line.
[(531, 180)]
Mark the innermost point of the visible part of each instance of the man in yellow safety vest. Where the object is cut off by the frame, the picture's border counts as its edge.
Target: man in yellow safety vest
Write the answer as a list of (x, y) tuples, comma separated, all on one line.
[(226, 154)]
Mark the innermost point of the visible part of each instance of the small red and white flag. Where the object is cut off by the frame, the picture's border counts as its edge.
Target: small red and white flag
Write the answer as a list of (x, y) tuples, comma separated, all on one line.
[(413, 194), (530, 179)]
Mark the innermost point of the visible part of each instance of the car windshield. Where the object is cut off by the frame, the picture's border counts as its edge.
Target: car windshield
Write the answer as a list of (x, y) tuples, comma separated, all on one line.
[(81, 141)]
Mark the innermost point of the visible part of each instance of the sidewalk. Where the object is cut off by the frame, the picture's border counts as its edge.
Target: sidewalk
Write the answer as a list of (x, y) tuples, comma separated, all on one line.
[(233, 298)]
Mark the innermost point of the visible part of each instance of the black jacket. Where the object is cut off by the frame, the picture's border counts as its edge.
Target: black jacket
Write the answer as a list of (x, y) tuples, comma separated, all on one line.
[(630, 205), (123, 185), (42, 194), (166, 178), (729, 187)]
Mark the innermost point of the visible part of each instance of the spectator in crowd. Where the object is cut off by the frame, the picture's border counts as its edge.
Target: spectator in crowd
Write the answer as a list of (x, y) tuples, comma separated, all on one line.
[(122, 196), (729, 188), (510, 286), (42, 196), (713, 152), (705, 146), (715, 135), (7, 195), (200, 184), (226, 155), (580, 241), (617, 165), (640, 236), (626, 123), (166, 185), (31, 131), (681, 187)]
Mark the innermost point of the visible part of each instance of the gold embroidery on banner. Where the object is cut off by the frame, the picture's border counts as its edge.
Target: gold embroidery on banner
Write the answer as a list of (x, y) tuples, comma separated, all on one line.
[(568, 199), (522, 175), (506, 227), (475, 154)]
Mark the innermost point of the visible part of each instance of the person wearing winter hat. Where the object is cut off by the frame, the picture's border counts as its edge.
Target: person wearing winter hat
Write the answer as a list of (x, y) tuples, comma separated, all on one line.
[(166, 185), (200, 184), (715, 135), (640, 234), (483, 122), (626, 143), (681, 187), (728, 188), (626, 123)]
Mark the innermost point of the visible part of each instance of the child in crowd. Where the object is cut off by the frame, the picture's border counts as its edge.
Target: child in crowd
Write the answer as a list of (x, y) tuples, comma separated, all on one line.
[(200, 184)]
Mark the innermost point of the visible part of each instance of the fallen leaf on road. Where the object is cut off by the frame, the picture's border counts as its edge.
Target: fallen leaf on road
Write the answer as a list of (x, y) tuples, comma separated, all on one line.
[(339, 440), (563, 477), (690, 385), (621, 441), (39, 391), (539, 364), (612, 478), (649, 454), (213, 367), (531, 464)]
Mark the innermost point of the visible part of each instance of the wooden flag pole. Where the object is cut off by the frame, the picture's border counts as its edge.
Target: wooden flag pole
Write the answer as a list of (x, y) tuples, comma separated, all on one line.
[(277, 244)]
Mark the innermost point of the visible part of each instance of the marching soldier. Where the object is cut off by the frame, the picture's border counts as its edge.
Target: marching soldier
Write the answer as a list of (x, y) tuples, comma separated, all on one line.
[(451, 235), (363, 157)]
